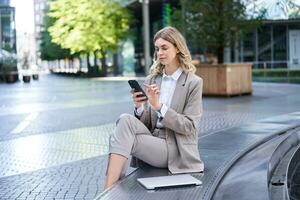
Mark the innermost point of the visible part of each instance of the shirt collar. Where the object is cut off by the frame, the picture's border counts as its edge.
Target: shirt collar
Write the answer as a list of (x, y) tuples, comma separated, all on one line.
[(175, 75)]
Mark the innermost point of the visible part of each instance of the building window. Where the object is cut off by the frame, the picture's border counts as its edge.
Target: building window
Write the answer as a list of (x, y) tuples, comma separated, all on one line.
[(37, 7), (249, 47), (38, 29), (37, 18), (279, 39), (264, 46), (42, 6)]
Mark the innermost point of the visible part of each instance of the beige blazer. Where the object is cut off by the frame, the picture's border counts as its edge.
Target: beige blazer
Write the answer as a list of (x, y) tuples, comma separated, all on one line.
[(181, 122)]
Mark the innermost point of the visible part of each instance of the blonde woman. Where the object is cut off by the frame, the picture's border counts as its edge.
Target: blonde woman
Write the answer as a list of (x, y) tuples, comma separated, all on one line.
[(163, 130)]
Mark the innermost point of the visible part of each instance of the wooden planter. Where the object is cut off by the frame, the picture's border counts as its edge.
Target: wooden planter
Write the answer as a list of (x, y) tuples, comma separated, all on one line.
[(226, 79)]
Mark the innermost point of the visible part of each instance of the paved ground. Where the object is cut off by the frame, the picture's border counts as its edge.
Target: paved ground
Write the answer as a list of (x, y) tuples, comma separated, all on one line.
[(54, 132)]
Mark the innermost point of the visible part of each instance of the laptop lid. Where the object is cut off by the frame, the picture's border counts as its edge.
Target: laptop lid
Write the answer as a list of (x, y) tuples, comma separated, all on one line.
[(168, 181)]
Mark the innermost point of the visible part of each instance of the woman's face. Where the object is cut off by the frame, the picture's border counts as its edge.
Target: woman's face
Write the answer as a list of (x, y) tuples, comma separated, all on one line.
[(166, 52)]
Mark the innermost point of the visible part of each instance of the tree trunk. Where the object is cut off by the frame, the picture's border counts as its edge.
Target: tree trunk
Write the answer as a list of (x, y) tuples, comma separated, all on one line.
[(80, 63), (70, 63), (90, 69), (221, 38), (183, 18), (116, 64), (220, 54), (103, 64), (95, 62)]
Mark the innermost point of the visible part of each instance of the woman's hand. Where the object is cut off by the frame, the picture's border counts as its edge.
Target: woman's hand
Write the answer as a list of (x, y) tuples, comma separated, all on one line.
[(138, 100), (153, 95)]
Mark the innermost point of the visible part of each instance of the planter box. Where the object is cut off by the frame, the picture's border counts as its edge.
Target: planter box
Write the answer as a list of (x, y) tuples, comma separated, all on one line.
[(26, 78), (226, 79), (11, 77), (9, 74), (35, 77)]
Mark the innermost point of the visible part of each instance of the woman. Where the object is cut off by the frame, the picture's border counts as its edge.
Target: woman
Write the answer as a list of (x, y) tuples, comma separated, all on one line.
[(163, 132)]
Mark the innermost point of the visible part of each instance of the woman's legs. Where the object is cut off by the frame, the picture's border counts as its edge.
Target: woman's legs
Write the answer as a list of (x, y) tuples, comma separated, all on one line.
[(114, 169), (133, 137), (121, 143), (151, 150)]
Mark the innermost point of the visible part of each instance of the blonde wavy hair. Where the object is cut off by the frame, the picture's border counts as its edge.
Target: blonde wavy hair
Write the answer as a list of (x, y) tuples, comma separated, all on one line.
[(173, 36)]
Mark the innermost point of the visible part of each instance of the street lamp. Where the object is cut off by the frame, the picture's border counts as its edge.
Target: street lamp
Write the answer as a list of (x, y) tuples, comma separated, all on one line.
[(146, 34)]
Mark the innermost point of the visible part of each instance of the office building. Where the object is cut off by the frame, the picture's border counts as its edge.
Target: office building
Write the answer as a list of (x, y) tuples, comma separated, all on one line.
[(7, 26)]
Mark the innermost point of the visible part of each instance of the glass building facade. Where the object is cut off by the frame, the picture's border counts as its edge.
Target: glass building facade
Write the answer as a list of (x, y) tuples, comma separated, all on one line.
[(40, 7), (5, 2), (275, 44), (7, 27)]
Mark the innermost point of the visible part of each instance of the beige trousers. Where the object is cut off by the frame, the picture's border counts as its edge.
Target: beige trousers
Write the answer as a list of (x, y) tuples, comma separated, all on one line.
[(132, 137)]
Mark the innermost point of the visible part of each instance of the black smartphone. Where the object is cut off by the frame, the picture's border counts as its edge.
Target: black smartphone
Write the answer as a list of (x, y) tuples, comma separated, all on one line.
[(137, 88)]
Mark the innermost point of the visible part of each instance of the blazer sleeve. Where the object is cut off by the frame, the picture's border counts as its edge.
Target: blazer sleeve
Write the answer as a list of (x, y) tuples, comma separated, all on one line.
[(187, 122)]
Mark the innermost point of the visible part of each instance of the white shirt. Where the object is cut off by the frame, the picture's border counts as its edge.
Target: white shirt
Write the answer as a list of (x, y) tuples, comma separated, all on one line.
[(167, 88)]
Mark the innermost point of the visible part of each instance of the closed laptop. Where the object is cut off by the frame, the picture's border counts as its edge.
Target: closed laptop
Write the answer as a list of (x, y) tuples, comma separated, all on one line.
[(168, 181)]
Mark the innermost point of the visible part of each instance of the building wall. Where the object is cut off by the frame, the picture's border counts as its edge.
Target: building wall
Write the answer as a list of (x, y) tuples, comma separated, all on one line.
[(5, 2), (7, 27), (40, 7)]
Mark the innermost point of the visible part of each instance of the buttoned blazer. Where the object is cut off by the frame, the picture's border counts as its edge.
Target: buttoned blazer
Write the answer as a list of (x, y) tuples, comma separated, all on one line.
[(181, 123)]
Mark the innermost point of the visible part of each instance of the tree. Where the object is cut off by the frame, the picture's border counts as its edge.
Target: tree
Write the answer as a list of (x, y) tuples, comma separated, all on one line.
[(89, 26), (216, 24), (50, 50)]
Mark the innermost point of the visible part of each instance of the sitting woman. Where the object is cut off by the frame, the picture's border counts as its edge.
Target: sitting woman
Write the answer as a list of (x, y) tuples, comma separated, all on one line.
[(163, 132)]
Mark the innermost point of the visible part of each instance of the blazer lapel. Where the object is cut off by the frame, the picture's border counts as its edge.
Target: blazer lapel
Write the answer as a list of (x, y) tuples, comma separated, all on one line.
[(178, 91)]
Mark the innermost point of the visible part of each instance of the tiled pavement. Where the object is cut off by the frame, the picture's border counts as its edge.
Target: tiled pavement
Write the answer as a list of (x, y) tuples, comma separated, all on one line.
[(54, 132)]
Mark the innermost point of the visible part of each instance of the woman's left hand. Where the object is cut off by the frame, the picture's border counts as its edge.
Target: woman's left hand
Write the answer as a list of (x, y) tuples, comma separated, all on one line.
[(153, 95)]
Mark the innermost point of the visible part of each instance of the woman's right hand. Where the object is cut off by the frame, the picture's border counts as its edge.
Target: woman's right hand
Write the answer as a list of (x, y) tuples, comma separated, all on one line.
[(138, 101)]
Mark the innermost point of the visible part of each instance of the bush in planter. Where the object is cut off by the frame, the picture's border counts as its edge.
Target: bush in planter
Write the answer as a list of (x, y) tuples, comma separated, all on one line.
[(215, 27), (26, 73)]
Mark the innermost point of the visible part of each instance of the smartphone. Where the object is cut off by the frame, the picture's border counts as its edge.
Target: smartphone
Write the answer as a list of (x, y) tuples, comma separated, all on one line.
[(137, 88)]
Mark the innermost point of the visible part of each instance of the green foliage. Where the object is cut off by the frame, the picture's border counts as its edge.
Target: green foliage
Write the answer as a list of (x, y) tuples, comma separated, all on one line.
[(88, 25), (277, 75), (216, 24), (50, 50), (278, 72)]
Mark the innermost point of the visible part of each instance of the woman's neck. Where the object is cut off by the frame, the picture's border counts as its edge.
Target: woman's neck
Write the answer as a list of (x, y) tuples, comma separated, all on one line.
[(171, 68)]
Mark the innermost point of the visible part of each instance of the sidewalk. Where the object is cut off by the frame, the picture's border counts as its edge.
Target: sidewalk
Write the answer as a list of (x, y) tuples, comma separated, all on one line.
[(54, 132)]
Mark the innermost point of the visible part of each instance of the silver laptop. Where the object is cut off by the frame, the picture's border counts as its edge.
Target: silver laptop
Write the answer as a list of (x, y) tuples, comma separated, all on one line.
[(168, 181)]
